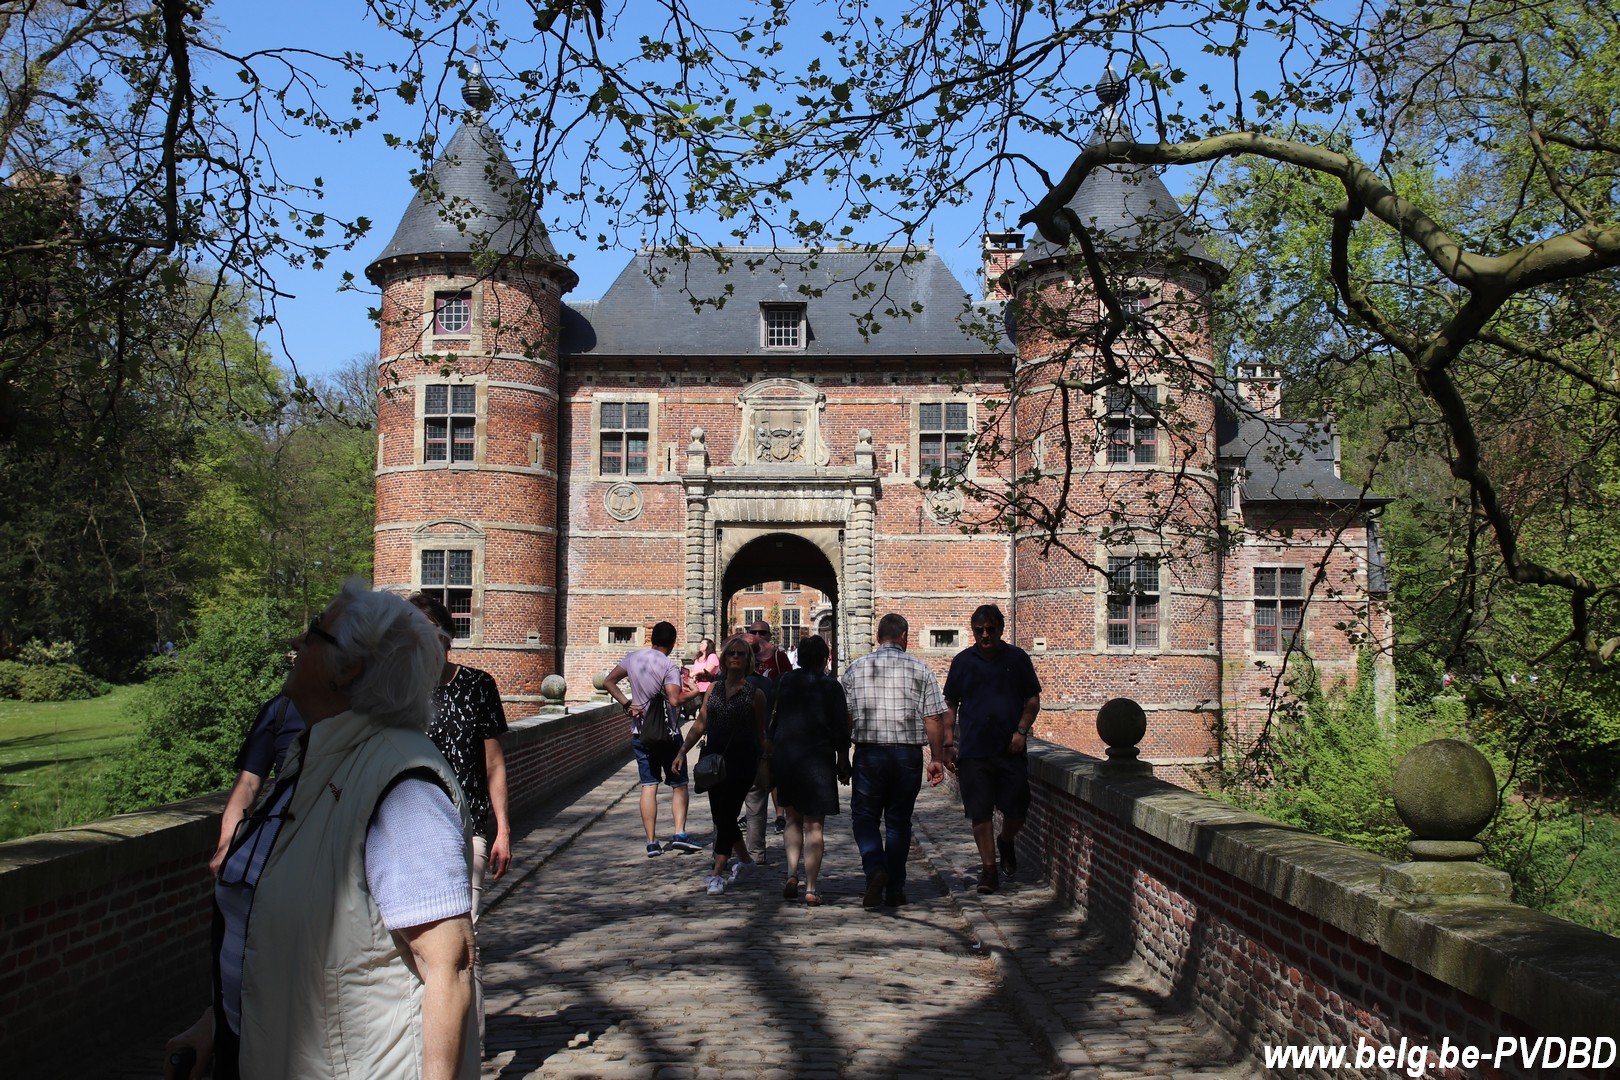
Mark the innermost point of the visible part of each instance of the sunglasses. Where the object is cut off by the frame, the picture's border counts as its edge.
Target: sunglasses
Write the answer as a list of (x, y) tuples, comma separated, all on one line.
[(986, 630), (316, 631), (746, 654)]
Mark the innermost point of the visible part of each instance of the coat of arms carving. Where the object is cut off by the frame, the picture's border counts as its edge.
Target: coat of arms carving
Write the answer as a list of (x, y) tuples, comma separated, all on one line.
[(781, 425)]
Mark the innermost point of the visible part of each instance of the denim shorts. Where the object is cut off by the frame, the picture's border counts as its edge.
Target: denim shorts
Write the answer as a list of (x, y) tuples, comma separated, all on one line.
[(654, 773)]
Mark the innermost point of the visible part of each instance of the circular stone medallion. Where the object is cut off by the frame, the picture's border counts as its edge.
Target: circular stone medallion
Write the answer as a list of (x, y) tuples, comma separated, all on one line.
[(943, 507), (623, 501)]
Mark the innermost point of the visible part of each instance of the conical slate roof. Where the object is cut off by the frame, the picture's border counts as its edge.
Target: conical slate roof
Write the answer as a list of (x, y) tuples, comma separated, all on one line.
[(472, 203), (1125, 207)]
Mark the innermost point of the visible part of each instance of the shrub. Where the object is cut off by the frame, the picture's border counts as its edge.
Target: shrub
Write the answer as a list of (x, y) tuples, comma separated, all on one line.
[(11, 672), (36, 653), (197, 708), (58, 682)]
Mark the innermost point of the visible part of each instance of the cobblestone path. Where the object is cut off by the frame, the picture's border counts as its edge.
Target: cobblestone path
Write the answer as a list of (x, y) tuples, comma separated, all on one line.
[(601, 962)]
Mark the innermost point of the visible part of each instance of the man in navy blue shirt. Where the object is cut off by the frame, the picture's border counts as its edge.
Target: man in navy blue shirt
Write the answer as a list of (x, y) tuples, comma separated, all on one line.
[(992, 698)]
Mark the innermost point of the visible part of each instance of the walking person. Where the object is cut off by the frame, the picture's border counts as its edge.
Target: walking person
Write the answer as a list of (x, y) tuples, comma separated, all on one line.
[(993, 697), (468, 721), (770, 664), (653, 673), (705, 667), (808, 742), (895, 705), (733, 718)]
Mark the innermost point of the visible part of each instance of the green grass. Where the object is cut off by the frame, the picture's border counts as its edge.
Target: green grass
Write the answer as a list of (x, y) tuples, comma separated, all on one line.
[(52, 755)]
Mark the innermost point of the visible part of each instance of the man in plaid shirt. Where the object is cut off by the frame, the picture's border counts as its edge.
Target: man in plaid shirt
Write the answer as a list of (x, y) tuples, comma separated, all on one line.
[(894, 704)]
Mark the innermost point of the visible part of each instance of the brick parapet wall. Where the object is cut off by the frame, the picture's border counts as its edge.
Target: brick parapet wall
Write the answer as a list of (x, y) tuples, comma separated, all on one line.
[(1281, 936), (104, 928)]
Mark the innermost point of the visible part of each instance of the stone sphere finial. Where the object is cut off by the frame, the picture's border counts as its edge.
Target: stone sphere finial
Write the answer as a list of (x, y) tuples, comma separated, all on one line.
[(1121, 723), (1110, 88), (475, 89), (554, 688), (599, 681), (1445, 792)]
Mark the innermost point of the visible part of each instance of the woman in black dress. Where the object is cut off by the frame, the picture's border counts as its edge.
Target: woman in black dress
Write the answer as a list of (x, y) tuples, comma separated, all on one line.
[(733, 717), (809, 748)]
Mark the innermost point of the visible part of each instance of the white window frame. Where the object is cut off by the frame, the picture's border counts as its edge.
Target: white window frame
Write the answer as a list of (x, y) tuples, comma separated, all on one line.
[(772, 323)]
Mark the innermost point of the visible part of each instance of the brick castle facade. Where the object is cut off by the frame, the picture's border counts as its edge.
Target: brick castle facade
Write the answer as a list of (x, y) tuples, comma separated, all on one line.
[(567, 474)]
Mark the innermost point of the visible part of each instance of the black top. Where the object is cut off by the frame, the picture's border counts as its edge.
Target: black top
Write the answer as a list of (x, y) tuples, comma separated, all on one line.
[(273, 730), (466, 711), (731, 728), (811, 713), (989, 694)]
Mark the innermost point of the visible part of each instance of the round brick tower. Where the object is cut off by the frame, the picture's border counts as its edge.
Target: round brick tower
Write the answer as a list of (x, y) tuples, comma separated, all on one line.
[(467, 416), (1116, 430)]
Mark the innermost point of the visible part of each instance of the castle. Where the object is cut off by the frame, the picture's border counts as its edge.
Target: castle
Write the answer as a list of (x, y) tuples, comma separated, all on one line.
[(565, 474)]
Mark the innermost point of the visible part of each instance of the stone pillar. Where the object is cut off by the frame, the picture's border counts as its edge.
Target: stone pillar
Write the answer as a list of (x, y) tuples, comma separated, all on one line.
[(698, 556), (860, 551), (1445, 792)]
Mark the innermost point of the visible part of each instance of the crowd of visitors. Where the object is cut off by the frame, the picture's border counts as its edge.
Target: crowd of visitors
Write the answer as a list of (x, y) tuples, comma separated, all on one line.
[(347, 894)]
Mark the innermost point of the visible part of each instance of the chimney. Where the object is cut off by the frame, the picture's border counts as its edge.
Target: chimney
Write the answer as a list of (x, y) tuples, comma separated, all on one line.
[(1260, 385), (1001, 251)]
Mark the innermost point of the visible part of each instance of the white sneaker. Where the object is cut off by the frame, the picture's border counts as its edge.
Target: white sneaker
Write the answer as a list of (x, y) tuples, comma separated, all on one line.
[(740, 869), (716, 884)]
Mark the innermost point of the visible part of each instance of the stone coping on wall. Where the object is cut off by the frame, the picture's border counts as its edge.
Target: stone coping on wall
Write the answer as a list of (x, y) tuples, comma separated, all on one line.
[(557, 720), (53, 865), (1556, 976)]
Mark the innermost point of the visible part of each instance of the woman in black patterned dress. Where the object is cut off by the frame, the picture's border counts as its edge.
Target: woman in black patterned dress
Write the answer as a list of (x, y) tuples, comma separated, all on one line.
[(733, 716), (467, 724)]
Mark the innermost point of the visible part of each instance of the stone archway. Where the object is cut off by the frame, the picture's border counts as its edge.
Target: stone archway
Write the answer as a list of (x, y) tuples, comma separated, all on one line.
[(755, 556), (825, 508)]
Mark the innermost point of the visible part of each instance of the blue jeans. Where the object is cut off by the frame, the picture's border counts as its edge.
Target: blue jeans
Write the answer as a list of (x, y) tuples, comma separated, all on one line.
[(886, 782)]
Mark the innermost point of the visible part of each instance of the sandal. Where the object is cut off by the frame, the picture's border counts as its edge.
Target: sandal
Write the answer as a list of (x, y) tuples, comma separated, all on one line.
[(812, 899), (790, 888)]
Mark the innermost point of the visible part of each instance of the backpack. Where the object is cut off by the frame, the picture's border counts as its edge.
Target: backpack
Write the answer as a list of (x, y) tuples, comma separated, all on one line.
[(657, 731)]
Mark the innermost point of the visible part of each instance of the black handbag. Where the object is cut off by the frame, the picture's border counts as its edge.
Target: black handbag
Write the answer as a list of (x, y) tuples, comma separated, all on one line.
[(710, 771)]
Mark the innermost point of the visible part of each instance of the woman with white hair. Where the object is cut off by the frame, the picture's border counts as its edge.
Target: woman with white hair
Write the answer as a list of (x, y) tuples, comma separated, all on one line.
[(342, 943)]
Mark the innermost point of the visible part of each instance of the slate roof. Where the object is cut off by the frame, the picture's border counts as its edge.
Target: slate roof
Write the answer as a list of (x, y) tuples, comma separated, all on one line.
[(648, 310), (472, 202), (1125, 207), (1283, 460)]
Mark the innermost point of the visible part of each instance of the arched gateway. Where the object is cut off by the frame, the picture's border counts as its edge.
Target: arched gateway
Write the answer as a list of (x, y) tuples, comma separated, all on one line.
[(780, 511)]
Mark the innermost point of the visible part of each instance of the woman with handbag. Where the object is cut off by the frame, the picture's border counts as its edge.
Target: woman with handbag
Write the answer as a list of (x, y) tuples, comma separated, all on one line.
[(733, 717), (809, 746)]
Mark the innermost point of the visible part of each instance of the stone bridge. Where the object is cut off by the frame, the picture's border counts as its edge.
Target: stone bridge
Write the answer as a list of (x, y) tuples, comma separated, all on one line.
[(1152, 932)]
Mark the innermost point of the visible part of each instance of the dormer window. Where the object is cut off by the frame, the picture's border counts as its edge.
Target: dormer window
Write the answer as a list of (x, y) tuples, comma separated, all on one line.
[(782, 326), (452, 313)]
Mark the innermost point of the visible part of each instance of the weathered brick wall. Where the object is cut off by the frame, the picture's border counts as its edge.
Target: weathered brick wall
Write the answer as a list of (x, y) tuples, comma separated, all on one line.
[(1284, 937), (104, 928)]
